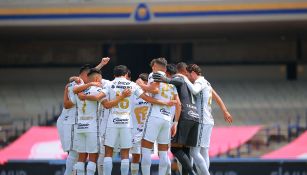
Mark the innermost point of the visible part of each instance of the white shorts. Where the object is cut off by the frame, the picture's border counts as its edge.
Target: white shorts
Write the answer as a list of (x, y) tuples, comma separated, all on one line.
[(157, 129), (204, 135), (59, 126), (136, 148), (118, 136), (136, 142), (87, 142), (66, 134)]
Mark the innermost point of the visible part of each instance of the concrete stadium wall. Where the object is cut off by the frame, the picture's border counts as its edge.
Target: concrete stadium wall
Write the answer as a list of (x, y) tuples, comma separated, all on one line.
[(54, 12)]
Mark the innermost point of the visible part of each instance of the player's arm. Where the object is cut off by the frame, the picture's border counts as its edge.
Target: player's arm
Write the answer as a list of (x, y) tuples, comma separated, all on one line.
[(177, 116), (151, 88), (78, 89), (67, 103), (75, 78), (194, 88), (111, 103), (156, 101), (104, 61), (219, 101), (162, 78), (97, 97)]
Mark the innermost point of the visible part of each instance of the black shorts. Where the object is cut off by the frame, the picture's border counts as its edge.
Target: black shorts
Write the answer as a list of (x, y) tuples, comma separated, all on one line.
[(187, 133)]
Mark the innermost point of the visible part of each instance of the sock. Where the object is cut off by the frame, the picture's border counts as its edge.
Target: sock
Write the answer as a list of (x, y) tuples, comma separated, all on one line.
[(205, 153), (107, 165), (70, 162), (91, 168), (146, 161), (100, 164), (79, 167), (183, 158), (169, 167), (134, 168), (163, 163), (124, 167), (199, 160)]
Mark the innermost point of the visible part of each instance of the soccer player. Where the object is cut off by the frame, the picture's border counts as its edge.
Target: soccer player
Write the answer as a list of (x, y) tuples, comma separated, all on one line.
[(139, 114), (87, 143), (158, 124), (205, 93), (119, 125), (188, 124), (66, 121), (65, 129)]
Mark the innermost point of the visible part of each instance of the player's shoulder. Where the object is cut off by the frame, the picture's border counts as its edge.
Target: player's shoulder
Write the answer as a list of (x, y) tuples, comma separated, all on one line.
[(206, 82)]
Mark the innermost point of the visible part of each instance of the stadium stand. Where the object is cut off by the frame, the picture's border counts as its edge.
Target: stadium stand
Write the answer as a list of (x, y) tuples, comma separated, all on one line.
[(262, 102), (294, 150), (37, 141)]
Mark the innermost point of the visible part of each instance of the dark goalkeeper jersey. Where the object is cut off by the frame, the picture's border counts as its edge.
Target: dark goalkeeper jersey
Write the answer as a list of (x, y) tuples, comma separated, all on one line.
[(188, 100)]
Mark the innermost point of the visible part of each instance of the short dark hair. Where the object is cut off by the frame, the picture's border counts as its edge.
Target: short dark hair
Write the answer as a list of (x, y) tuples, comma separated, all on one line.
[(129, 73), (144, 76), (93, 71), (120, 70), (85, 67), (171, 69), (161, 61), (181, 66), (195, 68)]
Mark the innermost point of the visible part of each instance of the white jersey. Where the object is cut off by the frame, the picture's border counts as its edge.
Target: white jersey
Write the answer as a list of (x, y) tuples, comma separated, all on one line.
[(120, 115), (104, 112), (88, 112), (140, 110), (166, 92), (204, 101), (71, 113)]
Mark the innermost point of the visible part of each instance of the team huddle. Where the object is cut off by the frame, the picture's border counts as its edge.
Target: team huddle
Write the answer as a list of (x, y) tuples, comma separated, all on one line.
[(170, 107)]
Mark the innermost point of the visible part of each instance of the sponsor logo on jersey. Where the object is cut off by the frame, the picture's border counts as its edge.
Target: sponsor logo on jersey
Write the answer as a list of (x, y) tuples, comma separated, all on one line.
[(124, 83), (165, 112), (83, 126), (120, 121), (142, 103), (193, 114), (120, 113)]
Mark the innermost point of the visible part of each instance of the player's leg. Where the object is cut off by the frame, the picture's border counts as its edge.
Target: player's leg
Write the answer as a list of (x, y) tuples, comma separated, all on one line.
[(125, 137), (124, 165), (100, 160), (207, 130), (199, 160), (135, 164), (71, 160), (102, 127), (136, 157), (80, 145), (184, 160), (111, 137), (151, 131), (68, 134), (163, 140), (93, 150)]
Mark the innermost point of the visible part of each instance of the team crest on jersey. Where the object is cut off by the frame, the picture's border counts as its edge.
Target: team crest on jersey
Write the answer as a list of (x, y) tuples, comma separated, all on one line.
[(113, 86)]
